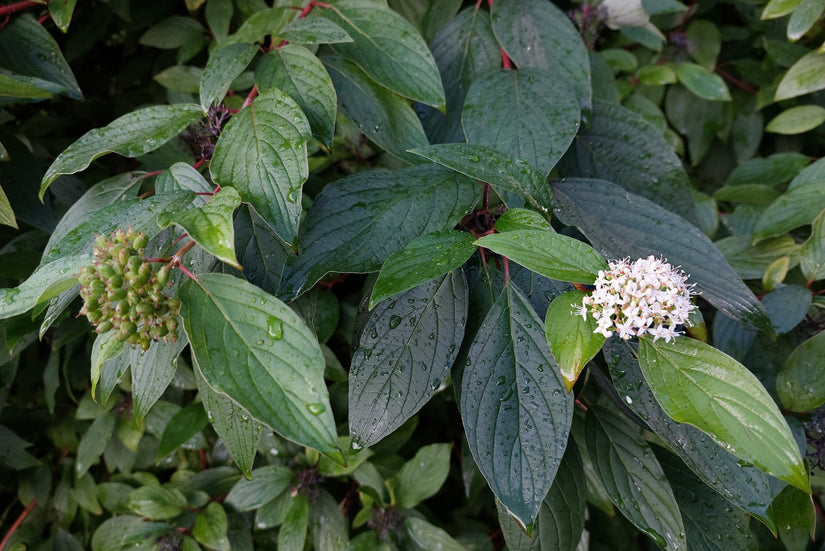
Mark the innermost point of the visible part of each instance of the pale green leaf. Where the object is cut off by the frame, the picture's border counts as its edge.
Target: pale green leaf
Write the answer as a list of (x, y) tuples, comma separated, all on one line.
[(801, 383), (428, 536), (422, 476), (6, 212), (702, 82), (805, 76), (223, 67), (572, 339), (797, 120), (314, 30), (812, 255)]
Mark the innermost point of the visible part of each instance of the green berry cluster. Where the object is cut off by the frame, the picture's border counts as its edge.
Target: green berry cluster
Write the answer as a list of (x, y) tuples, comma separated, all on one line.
[(122, 292)]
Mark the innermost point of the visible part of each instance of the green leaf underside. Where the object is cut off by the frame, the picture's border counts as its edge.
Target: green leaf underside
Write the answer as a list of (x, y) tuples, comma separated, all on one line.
[(526, 114), (620, 224), (355, 223), (697, 384), (633, 477), (125, 531), (548, 253), (539, 35), (210, 226), (296, 71), (224, 66), (259, 250), (131, 135), (238, 431), (254, 348), (621, 147), (571, 338), (745, 486), (185, 424), (384, 117), (812, 259), (424, 258), (404, 354), (514, 180), (515, 411), (381, 40), (561, 517), (262, 153)]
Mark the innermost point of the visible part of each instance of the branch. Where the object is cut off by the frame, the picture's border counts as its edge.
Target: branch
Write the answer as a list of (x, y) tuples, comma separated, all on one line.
[(9, 9), (742, 85), (32, 504)]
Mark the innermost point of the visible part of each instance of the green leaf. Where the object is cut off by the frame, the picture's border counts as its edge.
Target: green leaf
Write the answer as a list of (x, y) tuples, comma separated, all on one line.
[(796, 207), (94, 442), (152, 370), (262, 153), (327, 525), (13, 452), (621, 147), (514, 180), (787, 306), (521, 219), (704, 42), (211, 527), (796, 518), (779, 8), (388, 49), (548, 253), (526, 114), (156, 502), (805, 76), (656, 75), (404, 354), (314, 30), (572, 340), (224, 66), (697, 384), (801, 384), (424, 258), (385, 118), (561, 517), (539, 35), (745, 486), (32, 55), (427, 536), (774, 169), (699, 120), (633, 477), (804, 17), (710, 523), (797, 120), (210, 225), (296, 71), (260, 250), (620, 224), (353, 225), (279, 379), (515, 411), (180, 78), (702, 82), (812, 254), (131, 135), (61, 13), (266, 22), (751, 261), (293, 532), (263, 486), (183, 425), (6, 212), (422, 476), (115, 533), (11, 87), (172, 32), (219, 16)]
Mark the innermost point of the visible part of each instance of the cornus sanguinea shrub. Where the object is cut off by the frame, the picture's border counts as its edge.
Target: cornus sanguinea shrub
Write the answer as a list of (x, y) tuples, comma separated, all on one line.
[(411, 275)]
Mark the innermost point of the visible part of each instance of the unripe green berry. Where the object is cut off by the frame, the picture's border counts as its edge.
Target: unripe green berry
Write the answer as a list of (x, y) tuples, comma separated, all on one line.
[(97, 288), (163, 275), (107, 271), (104, 326), (140, 241)]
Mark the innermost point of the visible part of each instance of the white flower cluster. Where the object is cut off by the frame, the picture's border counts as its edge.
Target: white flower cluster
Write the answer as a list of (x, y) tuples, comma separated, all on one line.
[(633, 298)]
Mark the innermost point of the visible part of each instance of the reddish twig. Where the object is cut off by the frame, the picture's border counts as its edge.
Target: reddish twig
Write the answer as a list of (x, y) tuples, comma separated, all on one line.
[(32, 504), (506, 270), (252, 93), (15, 7), (506, 62), (742, 85), (582, 406)]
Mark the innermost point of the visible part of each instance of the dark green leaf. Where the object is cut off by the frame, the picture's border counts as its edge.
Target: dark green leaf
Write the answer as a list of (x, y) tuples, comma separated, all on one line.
[(172, 32), (211, 526), (314, 30), (259, 250), (561, 517), (795, 518), (180, 78), (131, 135), (384, 117), (573, 340), (404, 354), (516, 182), (262, 152), (94, 442), (183, 425), (526, 114), (515, 411), (182, 176), (787, 306), (772, 170), (702, 82), (125, 531), (11, 87), (210, 225), (521, 219), (801, 383), (427, 536), (699, 120), (156, 502), (750, 261), (633, 477), (620, 224), (264, 486), (6, 212), (424, 258), (224, 66), (388, 49), (621, 147), (745, 486), (61, 13), (539, 35), (279, 379), (152, 370), (327, 525), (422, 476), (704, 42), (697, 384), (293, 533), (796, 207), (355, 223), (13, 452), (29, 52), (266, 22), (548, 253), (812, 254)]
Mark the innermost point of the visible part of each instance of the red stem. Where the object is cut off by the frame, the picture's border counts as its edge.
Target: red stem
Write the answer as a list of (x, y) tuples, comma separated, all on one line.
[(252, 93), (9, 9), (505, 60), (735, 81), (32, 504), (506, 270)]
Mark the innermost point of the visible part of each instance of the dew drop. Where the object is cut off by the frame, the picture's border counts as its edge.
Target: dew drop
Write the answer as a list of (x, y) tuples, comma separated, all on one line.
[(316, 409), (274, 328), (394, 321)]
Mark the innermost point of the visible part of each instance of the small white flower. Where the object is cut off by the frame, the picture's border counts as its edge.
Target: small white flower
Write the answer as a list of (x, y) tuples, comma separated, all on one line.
[(645, 296)]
